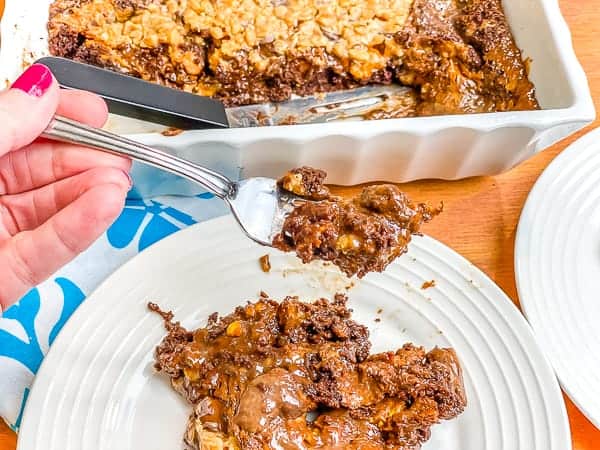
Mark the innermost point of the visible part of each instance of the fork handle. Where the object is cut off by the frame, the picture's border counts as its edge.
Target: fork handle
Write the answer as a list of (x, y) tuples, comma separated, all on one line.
[(70, 131)]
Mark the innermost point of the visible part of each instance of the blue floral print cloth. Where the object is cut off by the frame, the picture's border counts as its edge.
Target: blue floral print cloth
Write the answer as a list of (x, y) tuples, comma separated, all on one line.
[(28, 328)]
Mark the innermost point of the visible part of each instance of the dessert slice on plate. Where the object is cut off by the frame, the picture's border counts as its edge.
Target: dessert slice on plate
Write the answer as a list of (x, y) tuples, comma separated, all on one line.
[(298, 375)]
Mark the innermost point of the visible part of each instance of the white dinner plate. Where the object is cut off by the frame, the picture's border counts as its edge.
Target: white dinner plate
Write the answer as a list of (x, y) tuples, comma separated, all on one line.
[(557, 261), (97, 390)]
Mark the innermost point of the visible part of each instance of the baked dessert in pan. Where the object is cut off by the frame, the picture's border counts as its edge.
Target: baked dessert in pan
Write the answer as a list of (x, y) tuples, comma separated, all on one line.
[(458, 55)]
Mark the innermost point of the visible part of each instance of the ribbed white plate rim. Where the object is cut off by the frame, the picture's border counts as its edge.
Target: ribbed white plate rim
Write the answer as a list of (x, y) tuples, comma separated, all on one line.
[(483, 320), (569, 177)]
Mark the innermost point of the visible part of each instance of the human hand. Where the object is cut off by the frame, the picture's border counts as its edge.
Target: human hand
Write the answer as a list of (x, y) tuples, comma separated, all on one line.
[(55, 199)]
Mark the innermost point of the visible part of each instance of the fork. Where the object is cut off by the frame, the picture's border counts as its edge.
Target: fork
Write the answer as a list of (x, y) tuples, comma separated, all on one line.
[(258, 204)]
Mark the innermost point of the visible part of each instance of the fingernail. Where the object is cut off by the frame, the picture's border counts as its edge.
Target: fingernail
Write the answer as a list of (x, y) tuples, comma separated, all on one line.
[(35, 81), (129, 178)]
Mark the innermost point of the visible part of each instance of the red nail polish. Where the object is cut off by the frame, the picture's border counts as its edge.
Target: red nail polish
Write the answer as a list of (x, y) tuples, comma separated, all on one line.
[(35, 81)]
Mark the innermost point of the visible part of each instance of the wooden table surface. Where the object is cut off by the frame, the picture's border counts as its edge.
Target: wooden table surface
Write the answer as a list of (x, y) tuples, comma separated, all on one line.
[(481, 214)]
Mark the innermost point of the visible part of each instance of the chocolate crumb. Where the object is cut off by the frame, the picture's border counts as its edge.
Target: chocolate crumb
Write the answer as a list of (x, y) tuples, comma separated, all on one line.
[(166, 315), (265, 263), (169, 132), (289, 120), (428, 284)]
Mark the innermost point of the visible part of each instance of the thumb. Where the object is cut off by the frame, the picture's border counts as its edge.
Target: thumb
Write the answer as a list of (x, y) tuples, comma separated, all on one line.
[(27, 108)]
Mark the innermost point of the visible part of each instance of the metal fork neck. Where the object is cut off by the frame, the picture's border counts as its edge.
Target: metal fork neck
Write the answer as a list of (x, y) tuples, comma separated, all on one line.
[(66, 130)]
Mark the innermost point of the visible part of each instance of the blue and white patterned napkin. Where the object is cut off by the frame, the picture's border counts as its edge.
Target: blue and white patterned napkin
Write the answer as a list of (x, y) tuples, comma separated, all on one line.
[(28, 328)]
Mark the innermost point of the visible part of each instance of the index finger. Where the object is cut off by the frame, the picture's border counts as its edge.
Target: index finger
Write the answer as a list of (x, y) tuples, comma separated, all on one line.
[(45, 162), (83, 106), (27, 108)]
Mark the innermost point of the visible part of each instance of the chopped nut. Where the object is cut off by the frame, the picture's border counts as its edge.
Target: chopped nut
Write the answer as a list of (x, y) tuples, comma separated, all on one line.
[(191, 374), (190, 65), (260, 307), (250, 311), (305, 182), (348, 242), (234, 329), (265, 263), (292, 182)]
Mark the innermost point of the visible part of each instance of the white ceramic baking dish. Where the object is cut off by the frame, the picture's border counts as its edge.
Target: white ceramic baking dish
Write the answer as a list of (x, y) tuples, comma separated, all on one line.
[(398, 150)]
